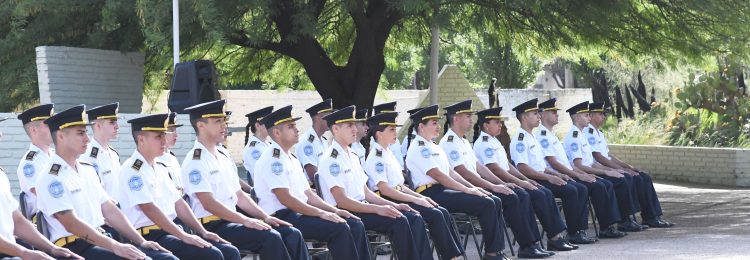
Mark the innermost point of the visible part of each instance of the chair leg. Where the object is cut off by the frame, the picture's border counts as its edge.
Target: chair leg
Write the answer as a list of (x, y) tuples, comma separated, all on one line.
[(593, 218), (510, 244)]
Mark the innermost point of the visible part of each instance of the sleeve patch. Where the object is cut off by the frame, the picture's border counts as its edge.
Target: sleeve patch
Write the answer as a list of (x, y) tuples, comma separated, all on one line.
[(135, 183), (489, 152), (544, 143), (335, 169), (56, 189), (520, 147), (277, 168), (28, 170), (195, 177), (454, 155), (308, 149), (425, 153), (379, 167)]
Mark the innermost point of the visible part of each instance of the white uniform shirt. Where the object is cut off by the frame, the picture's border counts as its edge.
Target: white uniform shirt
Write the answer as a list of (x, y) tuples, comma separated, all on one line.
[(62, 188), (382, 166), (28, 171), (8, 205), (174, 169), (395, 149), (277, 169), (339, 167), (310, 148), (146, 184), (424, 155), (526, 149), (250, 155), (204, 172), (577, 147), (106, 162), (489, 150), (551, 146), (359, 150), (459, 151), (596, 140)]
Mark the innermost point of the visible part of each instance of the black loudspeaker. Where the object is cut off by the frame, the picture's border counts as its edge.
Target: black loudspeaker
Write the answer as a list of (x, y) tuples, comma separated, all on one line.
[(194, 82)]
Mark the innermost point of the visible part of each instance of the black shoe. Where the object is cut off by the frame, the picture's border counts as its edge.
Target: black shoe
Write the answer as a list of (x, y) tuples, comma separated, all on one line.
[(531, 252), (581, 237), (629, 226), (538, 246), (559, 245), (658, 223), (611, 232)]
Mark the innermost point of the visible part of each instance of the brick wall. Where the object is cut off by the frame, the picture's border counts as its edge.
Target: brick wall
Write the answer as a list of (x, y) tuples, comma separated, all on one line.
[(71, 76), (720, 166)]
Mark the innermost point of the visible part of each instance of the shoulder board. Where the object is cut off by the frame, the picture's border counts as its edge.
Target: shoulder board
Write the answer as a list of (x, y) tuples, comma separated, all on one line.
[(520, 137), (30, 155), (311, 138), (378, 153), (334, 153), (137, 164), (94, 152), (450, 138), (544, 132), (113, 149), (162, 164), (575, 134), (276, 152), (197, 154), (591, 130), (421, 143), (252, 144), (55, 169), (485, 138)]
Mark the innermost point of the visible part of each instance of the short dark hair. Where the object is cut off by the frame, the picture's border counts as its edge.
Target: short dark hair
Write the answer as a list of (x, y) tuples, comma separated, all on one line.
[(54, 136), (194, 123), (135, 136)]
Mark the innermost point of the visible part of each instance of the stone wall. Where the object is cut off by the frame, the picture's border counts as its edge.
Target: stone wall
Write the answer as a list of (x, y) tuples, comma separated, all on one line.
[(720, 166), (71, 76)]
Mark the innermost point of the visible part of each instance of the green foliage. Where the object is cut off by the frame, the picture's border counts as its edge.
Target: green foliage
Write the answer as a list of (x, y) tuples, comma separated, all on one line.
[(260, 43), (647, 128), (712, 109)]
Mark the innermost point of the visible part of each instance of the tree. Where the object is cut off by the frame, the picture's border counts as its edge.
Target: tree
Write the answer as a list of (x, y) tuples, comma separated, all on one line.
[(341, 44)]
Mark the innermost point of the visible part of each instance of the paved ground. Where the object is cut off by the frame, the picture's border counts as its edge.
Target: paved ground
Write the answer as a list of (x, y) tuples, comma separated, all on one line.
[(712, 222)]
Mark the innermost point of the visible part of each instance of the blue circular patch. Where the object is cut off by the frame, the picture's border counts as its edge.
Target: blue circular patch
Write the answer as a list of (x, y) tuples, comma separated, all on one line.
[(28, 170), (56, 189), (520, 147), (592, 140), (135, 183), (96, 167), (425, 153), (379, 167), (489, 152), (308, 150), (574, 147), (334, 169), (255, 154), (277, 168), (454, 155), (195, 177), (544, 143)]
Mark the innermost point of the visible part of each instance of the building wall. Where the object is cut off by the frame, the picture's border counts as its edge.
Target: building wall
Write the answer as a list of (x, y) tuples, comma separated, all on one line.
[(71, 76)]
